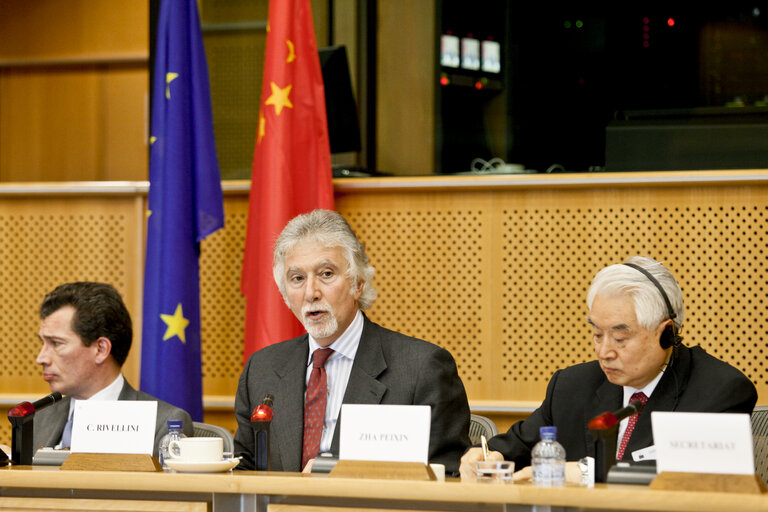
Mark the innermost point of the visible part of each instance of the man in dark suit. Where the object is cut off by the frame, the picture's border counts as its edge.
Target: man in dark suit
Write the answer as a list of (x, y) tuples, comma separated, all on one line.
[(635, 329), (86, 333), (322, 271)]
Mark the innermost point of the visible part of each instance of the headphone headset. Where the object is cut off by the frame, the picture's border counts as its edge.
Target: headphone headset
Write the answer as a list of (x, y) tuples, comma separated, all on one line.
[(669, 337)]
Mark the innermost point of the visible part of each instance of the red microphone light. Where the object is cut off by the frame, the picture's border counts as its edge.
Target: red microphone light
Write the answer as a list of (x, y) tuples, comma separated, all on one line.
[(21, 410), (603, 421), (262, 413)]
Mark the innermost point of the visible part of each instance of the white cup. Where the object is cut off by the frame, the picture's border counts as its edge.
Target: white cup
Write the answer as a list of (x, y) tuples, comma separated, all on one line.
[(196, 449)]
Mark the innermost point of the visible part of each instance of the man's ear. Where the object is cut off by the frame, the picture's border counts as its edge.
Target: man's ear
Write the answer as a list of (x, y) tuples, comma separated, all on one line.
[(359, 290), (103, 349)]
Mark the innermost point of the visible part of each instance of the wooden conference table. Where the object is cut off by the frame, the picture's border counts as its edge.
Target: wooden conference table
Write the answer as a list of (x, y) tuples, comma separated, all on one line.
[(49, 488)]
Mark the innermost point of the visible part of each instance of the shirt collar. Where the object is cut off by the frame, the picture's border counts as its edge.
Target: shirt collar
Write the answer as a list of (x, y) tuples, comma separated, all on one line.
[(111, 392), (647, 390), (346, 344)]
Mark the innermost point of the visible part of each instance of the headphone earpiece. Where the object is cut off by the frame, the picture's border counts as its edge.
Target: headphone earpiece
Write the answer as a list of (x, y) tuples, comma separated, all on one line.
[(669, 336)]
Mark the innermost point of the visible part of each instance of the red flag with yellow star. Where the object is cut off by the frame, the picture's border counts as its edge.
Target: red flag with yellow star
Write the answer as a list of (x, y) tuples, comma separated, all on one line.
[(291, 164)]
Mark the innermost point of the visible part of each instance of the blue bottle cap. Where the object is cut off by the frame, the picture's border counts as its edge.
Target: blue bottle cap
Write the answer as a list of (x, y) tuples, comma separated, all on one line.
[(175, 424), (548, 432)]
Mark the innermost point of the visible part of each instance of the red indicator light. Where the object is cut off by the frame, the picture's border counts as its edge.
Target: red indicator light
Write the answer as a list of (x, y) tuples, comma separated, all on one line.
[(444, 80), (478, 85), (646, 20), (671, 22), (603, 422), (262, 413), (21, 410), (646, 44)]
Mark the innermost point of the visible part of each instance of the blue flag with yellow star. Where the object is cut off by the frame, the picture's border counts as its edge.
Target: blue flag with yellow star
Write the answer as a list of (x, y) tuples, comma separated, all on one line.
[(185, 206)]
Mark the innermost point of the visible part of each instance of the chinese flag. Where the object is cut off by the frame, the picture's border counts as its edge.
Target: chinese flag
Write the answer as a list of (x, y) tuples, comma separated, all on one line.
[(291, 164)]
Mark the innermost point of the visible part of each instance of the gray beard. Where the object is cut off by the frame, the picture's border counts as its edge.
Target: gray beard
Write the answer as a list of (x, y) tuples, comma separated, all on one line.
[(319, 330)]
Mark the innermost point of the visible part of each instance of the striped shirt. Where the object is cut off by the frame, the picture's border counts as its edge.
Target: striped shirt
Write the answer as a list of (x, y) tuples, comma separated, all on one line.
[(337, 368)]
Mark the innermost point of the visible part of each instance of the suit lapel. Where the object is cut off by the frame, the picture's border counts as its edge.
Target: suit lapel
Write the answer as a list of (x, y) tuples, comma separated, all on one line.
[(128, 393), (50, 423), (608, 397), (363, 386), (288, 426)]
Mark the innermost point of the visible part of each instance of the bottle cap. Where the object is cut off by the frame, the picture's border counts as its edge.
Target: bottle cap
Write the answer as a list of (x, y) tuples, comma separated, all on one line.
[(548, 432), (175, 424)]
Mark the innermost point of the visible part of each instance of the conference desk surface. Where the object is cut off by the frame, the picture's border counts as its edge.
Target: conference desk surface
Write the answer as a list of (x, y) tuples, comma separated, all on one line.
[(275, 491)]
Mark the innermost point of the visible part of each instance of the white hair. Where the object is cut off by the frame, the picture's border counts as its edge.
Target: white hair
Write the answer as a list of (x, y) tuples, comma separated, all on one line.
[(650, 307), (329, 229)]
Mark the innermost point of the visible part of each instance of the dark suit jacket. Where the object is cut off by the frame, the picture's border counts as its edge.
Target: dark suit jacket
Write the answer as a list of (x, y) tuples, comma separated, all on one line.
[(389, 368), (49, 423), (694, 382)]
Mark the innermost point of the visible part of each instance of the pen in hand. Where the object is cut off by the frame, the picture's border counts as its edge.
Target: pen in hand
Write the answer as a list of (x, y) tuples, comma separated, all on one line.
[(484, 444)]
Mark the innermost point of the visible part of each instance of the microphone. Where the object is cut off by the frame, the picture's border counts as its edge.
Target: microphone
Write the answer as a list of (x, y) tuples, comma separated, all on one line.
[(261, 419), (263, 412), (603, 429), (22, 417), (608, 420), (25, 409)]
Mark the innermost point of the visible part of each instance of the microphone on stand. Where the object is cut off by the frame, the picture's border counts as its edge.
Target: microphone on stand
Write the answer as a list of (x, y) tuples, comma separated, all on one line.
[(609, 419), (261, 420), (603, 428), (22, 418), (25, 408)]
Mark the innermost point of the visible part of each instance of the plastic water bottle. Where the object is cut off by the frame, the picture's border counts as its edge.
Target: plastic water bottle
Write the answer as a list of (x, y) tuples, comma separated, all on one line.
[(174, 433), (548, 460)]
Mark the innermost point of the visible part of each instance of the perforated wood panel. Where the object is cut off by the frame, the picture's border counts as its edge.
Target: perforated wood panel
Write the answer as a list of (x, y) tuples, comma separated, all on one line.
[(498, 277), (510, 303), (43, 245), (221, 303), (432, 271)]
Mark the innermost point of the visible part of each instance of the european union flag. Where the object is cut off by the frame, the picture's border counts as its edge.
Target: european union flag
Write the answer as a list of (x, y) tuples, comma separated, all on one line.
[(185, 206)]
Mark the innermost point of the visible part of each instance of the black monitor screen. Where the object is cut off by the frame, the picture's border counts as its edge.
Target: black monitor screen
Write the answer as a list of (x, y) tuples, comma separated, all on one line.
[(340, 106)]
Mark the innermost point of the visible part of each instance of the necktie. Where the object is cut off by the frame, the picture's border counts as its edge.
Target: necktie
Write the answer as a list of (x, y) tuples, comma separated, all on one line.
[(640, 397), (66, 436), (314, 405)]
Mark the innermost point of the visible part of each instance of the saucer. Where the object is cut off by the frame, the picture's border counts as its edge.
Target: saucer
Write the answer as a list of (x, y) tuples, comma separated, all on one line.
[(183, 466)]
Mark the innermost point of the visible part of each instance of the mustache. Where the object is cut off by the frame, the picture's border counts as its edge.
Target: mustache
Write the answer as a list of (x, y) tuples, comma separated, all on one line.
[(316, 306)]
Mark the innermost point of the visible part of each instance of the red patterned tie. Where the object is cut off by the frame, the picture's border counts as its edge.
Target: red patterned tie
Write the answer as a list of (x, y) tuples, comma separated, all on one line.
[(314, 405), (636, 397)]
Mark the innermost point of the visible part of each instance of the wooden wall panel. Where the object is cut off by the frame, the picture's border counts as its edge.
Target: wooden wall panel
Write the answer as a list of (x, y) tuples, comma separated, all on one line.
[(73, 90), (52, 29), (497, 275), (405, 84), (73, 123)]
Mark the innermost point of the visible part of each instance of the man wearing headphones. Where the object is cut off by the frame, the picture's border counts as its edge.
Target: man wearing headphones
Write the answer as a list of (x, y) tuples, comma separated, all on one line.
[(635, 310)]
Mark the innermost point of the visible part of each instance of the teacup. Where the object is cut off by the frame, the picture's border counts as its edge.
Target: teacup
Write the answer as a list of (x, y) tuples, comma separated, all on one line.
[(196, 449)]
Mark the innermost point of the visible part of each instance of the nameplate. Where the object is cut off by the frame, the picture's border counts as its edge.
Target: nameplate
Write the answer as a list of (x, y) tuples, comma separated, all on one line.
[(394, 433), (114, 426), (694, 442)]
